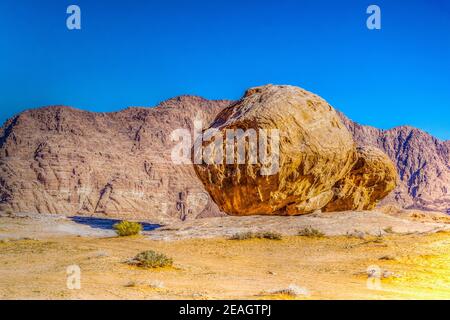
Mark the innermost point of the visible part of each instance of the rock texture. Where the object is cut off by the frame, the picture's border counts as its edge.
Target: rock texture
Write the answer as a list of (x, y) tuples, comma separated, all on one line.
[(68, 161), (422, 161), (316, 157), (372, 178)]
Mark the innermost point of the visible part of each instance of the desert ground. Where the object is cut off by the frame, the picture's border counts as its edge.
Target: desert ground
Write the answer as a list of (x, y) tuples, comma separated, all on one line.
[(410, 249)]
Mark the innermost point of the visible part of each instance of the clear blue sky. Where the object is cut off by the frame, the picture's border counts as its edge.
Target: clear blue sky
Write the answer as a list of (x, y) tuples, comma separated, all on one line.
[(142, 52)]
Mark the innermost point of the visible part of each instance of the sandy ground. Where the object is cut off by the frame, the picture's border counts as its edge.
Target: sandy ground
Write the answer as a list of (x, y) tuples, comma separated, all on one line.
[(35, 254)]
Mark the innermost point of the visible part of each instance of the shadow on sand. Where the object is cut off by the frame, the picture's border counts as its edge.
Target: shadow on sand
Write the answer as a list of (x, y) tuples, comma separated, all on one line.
[(107, 224)]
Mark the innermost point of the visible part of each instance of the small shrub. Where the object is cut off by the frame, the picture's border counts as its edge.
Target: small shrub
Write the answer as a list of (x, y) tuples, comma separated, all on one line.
[(127, 228), (311, 232), (256, 235), (242, 236), (268, 235), (151, 259), (388, 230)]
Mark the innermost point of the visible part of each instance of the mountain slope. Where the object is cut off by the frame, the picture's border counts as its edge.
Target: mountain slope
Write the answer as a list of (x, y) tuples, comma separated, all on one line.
[(68, 161), (423, 164)]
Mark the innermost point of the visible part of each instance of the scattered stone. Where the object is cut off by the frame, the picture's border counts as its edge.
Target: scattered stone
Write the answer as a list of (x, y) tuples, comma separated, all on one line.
[(131, 284), (356, 234), (101, 254), (291, 290), (387, 258), (156, 284), (387, 274), (27, 239), (197, 295)]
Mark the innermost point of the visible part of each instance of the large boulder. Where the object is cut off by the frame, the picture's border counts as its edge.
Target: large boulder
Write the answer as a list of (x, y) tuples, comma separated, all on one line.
[(315, 152), (371, 179)]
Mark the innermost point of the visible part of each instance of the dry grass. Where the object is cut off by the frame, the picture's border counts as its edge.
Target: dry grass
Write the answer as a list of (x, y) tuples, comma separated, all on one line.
[(311, 233), (151, 259), (269, 235), (222, 269)]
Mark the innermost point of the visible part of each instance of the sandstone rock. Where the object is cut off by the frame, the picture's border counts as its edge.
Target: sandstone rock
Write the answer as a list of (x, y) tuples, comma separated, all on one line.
[(68, 161), (422, 162), (370, 180), (316, 150), (72, 162)]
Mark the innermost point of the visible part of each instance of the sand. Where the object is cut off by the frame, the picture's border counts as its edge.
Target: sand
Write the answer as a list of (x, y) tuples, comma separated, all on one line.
[(415, 265)]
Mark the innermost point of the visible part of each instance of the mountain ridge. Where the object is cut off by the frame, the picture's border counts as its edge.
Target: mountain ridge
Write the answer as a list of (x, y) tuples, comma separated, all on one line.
[(422, 162), (60, 159)]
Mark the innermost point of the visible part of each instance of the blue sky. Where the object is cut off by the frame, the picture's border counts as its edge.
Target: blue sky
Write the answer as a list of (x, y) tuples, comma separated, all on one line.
[(138, 53)]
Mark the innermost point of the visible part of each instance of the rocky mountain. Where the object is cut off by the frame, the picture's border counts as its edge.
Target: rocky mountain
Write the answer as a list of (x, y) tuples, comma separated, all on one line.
[(63, 160), (422, 161)]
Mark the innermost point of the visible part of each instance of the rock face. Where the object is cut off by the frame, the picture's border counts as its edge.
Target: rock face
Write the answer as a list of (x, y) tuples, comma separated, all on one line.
[(372, 178), (316, 155), (68, 161), (422, 162)]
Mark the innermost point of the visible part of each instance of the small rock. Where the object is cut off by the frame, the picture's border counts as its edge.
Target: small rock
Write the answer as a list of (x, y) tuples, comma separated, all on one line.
[(387, 274), (356, 234), (156, 284), (27, 239), (101, 254), (292, 290), (387, 257), (131, 284)]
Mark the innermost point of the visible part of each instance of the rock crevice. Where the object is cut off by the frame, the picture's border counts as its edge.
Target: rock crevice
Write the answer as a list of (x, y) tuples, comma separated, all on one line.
[(319, 166)]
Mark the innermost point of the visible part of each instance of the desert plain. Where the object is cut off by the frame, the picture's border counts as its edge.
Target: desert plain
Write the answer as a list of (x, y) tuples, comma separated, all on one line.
[(410, 250)]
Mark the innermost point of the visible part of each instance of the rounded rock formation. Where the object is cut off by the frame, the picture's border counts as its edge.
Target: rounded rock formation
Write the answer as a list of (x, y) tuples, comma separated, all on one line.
[(371, 179), (296, 150)]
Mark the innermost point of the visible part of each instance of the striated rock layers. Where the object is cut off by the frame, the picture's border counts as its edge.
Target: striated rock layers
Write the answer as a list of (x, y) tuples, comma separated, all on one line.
[(318, 165), (422, 162), (67, 161), (371, 178)]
